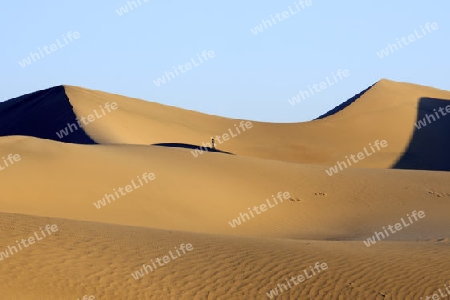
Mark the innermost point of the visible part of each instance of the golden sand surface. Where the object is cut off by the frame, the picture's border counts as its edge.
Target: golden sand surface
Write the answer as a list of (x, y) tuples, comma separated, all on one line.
[(208, 201)]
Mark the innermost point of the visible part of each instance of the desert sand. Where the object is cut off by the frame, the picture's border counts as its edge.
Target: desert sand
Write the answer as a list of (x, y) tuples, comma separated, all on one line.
[(193, 199)]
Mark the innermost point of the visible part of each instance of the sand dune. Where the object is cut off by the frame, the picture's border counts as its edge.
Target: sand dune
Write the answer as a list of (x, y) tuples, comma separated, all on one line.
[(40, 114), (214, 189), (203, 199), (387, 111), (98, 259)]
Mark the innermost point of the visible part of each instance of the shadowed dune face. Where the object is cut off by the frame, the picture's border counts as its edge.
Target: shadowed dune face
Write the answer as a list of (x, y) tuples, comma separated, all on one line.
[(429, 148), (189, 146), (343, 105), (41, 114)]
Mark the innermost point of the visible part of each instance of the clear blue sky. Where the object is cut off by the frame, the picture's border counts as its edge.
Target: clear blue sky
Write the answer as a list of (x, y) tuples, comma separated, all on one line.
[(251, 76)]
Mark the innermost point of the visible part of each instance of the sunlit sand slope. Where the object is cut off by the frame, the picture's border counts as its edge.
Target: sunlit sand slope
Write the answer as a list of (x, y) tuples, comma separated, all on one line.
[(85, 258), (387, 111), (119, 201), (204, 194)]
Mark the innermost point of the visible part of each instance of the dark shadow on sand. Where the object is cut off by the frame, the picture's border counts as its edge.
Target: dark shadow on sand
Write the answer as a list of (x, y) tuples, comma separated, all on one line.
[(41, 114), (429, 148), (190, 146), (345, 104)]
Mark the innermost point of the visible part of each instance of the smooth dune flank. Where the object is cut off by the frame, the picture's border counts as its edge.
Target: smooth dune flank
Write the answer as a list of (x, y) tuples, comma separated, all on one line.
[(174, 192)]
